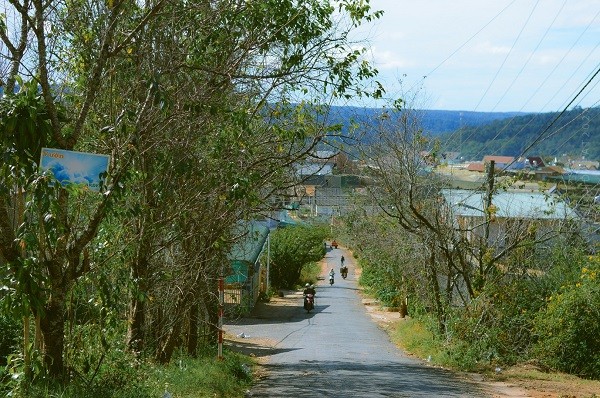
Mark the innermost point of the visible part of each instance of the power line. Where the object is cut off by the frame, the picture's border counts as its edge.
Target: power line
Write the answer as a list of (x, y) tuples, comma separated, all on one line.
[(541, 135), (507, 55), (466, 42)]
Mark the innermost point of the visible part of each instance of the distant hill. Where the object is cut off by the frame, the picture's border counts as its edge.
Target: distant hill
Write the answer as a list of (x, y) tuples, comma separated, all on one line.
[(575, 133), (434, 122)]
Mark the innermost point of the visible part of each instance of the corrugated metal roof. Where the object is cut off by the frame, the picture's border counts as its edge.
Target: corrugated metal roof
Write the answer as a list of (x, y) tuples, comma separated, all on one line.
[(498, 159), (249, 246), (531, 205), (246, 250)]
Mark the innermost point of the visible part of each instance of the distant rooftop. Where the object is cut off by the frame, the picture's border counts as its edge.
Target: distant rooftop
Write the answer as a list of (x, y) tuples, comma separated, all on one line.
[(509, 204)]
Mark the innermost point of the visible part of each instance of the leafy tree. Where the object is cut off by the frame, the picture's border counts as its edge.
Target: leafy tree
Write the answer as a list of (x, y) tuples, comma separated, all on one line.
[(196, 104), (461, 258), (291, 248)]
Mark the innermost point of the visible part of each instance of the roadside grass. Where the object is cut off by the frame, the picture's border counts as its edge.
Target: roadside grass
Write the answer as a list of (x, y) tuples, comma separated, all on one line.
[(309, 273), (185, 377), (414, 337), (206, 377)]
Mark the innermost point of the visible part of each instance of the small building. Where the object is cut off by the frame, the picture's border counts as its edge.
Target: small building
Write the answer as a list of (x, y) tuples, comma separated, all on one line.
[(249, 266), (513, 213), (500, 161)]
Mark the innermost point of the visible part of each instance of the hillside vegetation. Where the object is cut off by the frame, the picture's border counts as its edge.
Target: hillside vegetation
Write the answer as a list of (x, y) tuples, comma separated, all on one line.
[(434, 122), (575, 133)]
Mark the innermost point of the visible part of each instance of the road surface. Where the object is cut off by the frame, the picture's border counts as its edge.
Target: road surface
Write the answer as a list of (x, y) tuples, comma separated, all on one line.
[(336, 350)]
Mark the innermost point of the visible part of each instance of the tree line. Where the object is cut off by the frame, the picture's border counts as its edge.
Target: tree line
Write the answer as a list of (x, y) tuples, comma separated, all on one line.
[(573, 133)]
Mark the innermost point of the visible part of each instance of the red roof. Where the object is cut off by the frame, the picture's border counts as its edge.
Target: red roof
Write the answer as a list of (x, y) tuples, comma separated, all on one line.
[(476, 167), (498, 159)]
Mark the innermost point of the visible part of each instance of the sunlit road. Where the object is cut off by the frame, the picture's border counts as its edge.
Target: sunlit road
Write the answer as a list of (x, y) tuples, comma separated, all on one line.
[(337, 350)]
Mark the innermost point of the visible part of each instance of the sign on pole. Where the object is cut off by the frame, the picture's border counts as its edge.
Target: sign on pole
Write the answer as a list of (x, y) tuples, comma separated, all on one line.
[(70, 167)]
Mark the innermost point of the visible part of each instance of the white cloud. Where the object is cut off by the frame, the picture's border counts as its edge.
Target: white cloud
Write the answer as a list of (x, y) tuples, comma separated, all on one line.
[(461, 45)]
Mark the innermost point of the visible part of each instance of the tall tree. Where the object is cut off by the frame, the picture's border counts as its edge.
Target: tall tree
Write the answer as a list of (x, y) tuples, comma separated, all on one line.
[(197, 104), (462, 258)]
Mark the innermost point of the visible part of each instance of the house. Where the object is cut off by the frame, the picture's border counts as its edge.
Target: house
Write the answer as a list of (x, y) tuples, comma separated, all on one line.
[(477, 166), (248, 273), (500, 161), (582, 164), (513, 213), (533, 162)]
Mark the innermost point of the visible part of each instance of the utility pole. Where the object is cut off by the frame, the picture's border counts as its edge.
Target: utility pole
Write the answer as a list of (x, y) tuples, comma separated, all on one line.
[(489, 192)]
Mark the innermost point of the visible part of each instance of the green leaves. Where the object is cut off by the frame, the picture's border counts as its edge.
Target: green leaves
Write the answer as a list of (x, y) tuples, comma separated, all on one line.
[(291, 248), (25, 125)]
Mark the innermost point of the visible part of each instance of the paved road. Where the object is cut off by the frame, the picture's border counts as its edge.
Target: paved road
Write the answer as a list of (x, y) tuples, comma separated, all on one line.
[(337, 350)]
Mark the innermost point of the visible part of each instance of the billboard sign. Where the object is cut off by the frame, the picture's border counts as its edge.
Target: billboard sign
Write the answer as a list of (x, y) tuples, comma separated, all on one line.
[(70, 167)]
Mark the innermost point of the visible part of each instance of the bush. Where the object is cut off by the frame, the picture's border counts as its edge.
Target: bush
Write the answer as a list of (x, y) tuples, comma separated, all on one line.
[(293, 247), (568, 329), (9, 338), (310, 272), (184, 378), (496, 327)]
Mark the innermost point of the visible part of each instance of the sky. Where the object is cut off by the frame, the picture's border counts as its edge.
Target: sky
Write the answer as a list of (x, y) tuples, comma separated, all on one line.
[(487, 55)]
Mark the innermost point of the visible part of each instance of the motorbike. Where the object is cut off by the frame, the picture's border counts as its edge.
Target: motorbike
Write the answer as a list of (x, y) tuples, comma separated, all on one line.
[(344, 272), (309, 302), (330, 279)]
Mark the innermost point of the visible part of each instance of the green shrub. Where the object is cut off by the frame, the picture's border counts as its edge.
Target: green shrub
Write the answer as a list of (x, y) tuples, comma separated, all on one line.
[(568, 329), (128, 378), (310, 272), (292, 248), (495, 328), (9, 337)]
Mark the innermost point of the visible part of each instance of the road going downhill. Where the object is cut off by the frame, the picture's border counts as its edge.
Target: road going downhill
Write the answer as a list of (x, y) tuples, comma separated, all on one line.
[(336, 350)]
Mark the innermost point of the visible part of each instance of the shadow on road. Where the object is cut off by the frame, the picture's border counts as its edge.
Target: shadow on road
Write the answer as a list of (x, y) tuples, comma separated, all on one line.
[(280, 310), (385, 379), (256, 350)]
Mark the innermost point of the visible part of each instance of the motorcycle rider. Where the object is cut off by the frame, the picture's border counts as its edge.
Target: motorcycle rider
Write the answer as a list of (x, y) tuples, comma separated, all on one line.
[(308, 289), (308, 303), (331, 275)]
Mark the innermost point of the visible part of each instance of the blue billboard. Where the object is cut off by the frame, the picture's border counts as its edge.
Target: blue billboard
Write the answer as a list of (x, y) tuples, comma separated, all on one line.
[(70, 167)]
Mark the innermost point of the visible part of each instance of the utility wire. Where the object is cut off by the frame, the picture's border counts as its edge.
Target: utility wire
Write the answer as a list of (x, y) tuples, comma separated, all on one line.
[(481, 151), (465, 43), (539, 43), (507, 55), (451, 140), (541, 135)]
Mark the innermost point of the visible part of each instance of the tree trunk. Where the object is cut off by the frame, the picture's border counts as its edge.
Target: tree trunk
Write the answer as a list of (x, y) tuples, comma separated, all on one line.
[(211, 303), (194, 321), (166, 348), (135, 329), (52, 325), (439, 309), (137, 306)]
